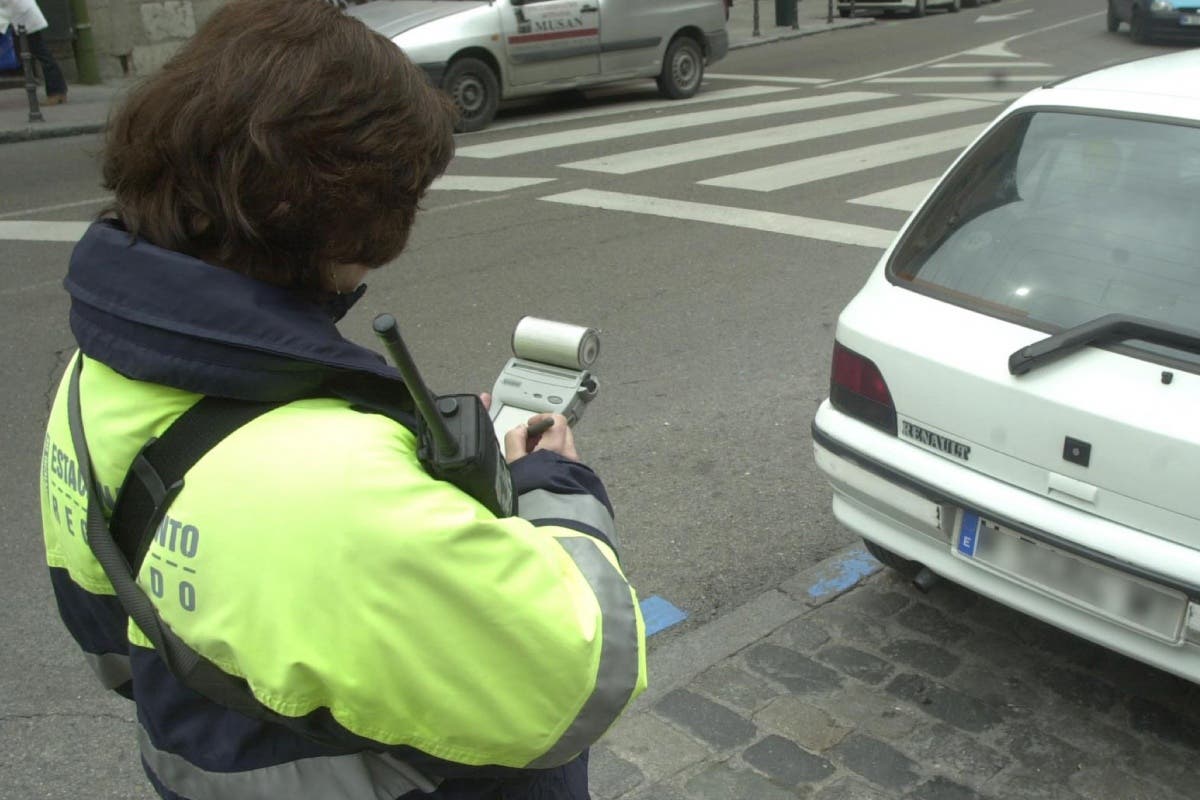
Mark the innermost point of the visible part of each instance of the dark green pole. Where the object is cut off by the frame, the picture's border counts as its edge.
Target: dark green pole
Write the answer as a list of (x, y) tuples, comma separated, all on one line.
[(85, 48)]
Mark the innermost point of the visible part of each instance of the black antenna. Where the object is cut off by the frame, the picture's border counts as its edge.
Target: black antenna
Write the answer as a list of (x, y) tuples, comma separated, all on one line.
[(385, 327)]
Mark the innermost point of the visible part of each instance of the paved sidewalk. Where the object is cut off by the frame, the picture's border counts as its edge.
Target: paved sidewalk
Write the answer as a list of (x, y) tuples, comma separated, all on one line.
[(87, 109), (846, 683)]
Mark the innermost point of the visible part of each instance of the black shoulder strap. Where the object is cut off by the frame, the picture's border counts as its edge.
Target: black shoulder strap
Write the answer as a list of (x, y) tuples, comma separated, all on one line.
[(190, 667), (156, 474)]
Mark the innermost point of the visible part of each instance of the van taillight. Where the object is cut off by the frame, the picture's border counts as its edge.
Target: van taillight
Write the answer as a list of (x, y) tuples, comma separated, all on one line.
[(857, 388)]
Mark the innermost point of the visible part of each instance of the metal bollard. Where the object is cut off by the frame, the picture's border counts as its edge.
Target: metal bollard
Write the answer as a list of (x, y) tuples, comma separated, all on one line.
[(35, 113), (796, 16), (756, 31)]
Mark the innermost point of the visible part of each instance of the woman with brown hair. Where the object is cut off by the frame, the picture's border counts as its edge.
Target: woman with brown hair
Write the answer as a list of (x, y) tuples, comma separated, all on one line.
[(299, 610)]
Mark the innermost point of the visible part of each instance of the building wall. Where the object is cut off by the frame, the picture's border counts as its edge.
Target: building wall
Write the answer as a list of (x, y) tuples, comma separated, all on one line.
[(135, 38)]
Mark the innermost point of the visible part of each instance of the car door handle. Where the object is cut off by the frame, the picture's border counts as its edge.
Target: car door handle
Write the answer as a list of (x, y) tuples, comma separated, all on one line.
[(586, 9)]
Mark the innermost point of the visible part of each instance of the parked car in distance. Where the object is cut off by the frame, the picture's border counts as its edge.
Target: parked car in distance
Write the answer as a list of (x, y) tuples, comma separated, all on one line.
[(485, 51), (1155, 19), (915, 8), (1013, 391)]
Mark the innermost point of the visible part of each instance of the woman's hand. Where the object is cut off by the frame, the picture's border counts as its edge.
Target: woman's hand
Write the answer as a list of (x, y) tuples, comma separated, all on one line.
[(558, 438)]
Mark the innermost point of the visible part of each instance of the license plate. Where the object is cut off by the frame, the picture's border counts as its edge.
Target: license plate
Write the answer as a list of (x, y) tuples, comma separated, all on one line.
[(1102, 590), (1189, 19)]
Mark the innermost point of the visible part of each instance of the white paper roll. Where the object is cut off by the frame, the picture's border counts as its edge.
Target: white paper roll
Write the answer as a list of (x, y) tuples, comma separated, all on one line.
[(557, 343)]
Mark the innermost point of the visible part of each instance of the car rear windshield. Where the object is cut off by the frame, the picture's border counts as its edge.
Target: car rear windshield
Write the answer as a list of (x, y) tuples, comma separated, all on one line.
[(1057, 218)]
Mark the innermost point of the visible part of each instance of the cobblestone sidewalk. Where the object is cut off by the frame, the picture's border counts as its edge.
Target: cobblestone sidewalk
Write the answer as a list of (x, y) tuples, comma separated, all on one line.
[(880, 692)]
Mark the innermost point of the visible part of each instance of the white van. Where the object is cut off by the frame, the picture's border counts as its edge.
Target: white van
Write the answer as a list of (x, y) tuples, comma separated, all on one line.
[(483, 51)]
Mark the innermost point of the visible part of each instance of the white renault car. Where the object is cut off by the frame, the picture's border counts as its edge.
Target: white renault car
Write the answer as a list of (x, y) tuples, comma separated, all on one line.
[(1015, 392)]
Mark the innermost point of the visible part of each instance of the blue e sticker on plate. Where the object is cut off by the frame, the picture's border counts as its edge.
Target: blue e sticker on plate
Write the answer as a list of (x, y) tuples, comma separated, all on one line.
[(968, 535)]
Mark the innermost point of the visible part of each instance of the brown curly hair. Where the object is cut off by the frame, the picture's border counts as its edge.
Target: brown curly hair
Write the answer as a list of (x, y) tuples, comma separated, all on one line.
[(283, 139)]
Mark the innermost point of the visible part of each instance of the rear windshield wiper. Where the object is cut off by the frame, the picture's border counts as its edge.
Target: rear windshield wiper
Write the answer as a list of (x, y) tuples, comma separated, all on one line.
[(1102, 330)]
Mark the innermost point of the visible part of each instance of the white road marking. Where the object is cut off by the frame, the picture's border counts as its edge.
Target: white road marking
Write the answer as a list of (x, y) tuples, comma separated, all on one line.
[(483, 183), (902, 198), (984, 97), (1002, 17), (990, 64), (672, 122), (845, 162), (807, 227), (765, 78), (717, 146), (25, 212), (1000, 78), (633, 105), (995, 49), (36, 231)]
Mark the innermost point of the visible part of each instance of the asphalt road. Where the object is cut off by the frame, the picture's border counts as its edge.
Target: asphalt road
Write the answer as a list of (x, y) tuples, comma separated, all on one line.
[(716, 297)]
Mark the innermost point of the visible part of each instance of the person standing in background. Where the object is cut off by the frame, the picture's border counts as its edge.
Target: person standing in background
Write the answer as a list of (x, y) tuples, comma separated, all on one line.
[(26, 13)]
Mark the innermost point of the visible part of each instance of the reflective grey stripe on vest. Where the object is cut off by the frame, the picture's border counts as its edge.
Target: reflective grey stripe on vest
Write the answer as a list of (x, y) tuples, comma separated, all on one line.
[(111, 668), (370, 776), (617, 675), (543, 504)]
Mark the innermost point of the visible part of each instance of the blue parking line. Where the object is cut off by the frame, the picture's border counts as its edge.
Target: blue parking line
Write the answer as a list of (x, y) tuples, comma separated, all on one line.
[(660, 614), (847, 572)]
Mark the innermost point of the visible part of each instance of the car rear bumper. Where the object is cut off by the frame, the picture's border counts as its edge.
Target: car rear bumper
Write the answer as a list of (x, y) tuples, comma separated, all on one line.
[(1169, 26), (915, 512)]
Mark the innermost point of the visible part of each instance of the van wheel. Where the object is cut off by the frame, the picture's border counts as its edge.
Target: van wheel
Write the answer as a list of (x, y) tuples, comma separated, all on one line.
[(476, 93), (889, 559), (682, 70), (1113, 21)]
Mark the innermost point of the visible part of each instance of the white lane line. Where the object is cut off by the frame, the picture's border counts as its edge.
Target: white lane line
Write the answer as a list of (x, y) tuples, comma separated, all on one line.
[(984, 97), (807, 170), (765, 78), (598, 133), (31, 231), (806, 227), (993, 50), (902, 198), (717, 146), (483, 183), (990, 65), (634, 105), (999, 78), (25, 212)]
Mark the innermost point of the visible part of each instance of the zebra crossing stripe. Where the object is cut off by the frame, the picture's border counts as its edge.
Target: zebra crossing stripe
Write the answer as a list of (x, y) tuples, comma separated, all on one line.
[(989, 64), (902, 198), (672, 122), (31, 231), (772, 222), (633, 105), (483, 183), (845, 162), (725, 76), (997, 79), (717, 146)]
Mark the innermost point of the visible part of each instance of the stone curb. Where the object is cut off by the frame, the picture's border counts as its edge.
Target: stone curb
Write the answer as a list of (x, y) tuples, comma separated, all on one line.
[(796, 34), (677, 663)]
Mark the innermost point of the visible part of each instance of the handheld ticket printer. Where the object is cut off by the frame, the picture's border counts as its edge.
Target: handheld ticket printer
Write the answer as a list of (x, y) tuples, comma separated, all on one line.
[(550, 373)]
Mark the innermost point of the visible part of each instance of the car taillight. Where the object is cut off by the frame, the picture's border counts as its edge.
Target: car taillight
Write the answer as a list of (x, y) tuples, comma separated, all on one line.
[(857, 388)]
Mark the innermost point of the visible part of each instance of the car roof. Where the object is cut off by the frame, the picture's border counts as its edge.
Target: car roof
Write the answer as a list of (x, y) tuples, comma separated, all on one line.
[(1167, 85)]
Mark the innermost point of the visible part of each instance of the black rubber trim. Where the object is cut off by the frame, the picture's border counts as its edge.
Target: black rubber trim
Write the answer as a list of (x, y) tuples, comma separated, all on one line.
[(937, 496)]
